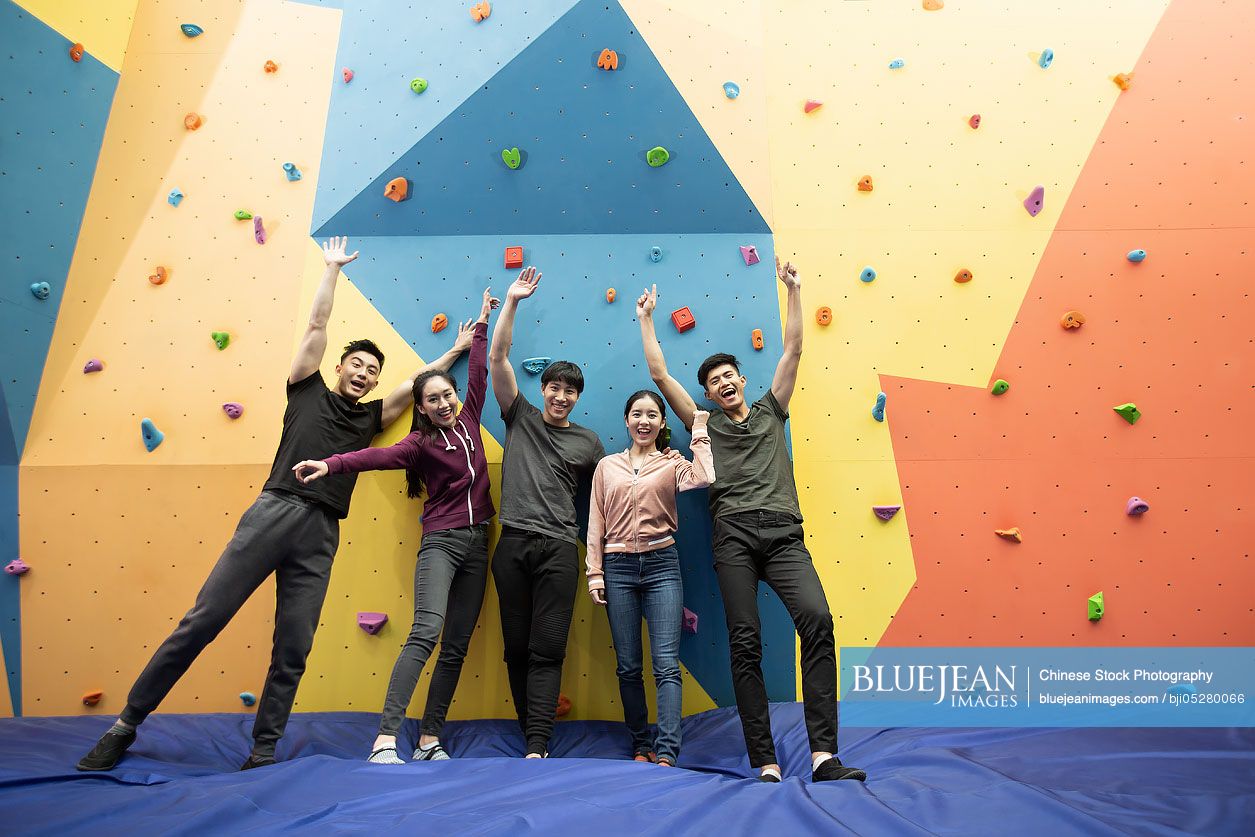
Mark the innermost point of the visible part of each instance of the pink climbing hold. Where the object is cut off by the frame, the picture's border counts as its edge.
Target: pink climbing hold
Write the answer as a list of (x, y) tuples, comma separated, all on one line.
[(886, 512), (812, 105), (689, 622), (17, 567), (372, 623), (1137, 506), (93, 365), (348, 75), (259, 231), (233, 409), (1036, 198), (750, 253)]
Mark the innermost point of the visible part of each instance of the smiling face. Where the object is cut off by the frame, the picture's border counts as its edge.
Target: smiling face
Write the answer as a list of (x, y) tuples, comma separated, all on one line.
[(644, 421), (559, 398), (439, 402), (725, 387), (357, 375)]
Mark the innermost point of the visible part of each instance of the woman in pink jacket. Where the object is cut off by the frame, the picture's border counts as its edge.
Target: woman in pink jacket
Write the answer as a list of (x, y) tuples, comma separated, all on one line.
[(444, 455), (634, 566)]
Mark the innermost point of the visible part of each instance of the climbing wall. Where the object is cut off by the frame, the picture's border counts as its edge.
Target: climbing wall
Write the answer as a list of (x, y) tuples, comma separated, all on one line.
[(119, 538)]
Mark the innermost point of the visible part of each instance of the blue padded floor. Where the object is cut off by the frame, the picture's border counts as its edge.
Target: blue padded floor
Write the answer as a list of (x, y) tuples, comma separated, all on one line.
[(180, 779)]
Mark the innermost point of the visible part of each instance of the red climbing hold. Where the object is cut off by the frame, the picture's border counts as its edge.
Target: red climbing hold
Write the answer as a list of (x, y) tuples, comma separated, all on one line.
[(514, 257), (683, 319), (348, 74), (564, 706), (812, 105), (688, 622), (974, 120)]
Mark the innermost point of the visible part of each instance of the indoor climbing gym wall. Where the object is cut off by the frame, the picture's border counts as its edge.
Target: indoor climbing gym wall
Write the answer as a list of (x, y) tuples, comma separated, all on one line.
[(1023, 229)]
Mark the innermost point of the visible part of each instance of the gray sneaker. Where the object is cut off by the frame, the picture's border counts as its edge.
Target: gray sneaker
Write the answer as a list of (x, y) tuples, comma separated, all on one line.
[(432, 753)]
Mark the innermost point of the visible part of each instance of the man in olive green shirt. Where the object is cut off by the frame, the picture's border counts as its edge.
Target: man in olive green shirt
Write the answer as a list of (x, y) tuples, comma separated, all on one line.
[(758, 535)]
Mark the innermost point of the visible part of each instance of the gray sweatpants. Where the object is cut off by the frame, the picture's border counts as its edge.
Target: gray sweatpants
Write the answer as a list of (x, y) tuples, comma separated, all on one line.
[(295, 539)]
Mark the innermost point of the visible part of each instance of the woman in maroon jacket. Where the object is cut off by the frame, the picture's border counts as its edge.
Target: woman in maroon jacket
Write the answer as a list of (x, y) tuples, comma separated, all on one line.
[(443, 452)]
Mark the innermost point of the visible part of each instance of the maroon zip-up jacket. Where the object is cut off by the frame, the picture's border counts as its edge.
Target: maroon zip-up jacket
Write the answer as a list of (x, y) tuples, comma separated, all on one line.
[(451, 461)]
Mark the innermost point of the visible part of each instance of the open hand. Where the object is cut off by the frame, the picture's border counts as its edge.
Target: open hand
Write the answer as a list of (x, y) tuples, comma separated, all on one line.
[(310, 470), (333, 251), (525, 285), (466, 336)]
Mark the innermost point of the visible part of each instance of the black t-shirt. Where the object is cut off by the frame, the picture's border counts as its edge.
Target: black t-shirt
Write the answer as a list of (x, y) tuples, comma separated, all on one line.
[(316, 424)]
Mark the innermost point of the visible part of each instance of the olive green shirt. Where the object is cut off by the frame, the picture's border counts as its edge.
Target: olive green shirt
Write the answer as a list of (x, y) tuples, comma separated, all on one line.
[(752, 461)]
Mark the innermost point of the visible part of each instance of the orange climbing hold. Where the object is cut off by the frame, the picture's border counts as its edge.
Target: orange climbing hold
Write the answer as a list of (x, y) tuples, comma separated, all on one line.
[(1123, 80), (438, 323), (756, 337), (865, 183), (824, 316), (963, 276), (480, 11), (192, 121), (159, 276), (397, 189), (933, 5), (270, 67), (564, 706), (608, 60), (514, 257), (1072, 319), (1012, 534), (610, 294), (76, 53), (92, 698)]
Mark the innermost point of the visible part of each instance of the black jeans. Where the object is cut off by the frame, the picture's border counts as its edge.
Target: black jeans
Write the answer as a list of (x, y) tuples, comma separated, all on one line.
[(449, 581), (280, 533), (536, 578), (755, 545)]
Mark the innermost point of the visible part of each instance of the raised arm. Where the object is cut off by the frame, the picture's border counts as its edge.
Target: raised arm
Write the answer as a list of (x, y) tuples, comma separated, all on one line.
[(477, 374), (504, 386), (701, 471), (402, 398), (679, 399), (314, 344), (786, 370)]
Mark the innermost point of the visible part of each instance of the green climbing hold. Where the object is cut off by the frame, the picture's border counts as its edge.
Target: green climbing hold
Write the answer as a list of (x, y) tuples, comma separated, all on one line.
[(222, 339), (418, 85), (1129, 412), (242, 215), (1096, 607), (1000, 386), (511, 157), (657, 156)]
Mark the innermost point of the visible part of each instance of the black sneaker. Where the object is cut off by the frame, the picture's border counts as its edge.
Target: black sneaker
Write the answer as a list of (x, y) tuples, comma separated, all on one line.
[(832, 769), (255, 760), (111, 747)]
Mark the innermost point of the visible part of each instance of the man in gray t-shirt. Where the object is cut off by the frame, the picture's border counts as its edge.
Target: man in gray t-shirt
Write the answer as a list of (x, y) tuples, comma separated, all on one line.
[(536, 564), (758, 536)]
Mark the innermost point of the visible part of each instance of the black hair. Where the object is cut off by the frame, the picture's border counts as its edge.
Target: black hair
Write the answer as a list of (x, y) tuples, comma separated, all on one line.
[(563, 371), (664, 433), (711, 362), (422, 424), (367, 346)]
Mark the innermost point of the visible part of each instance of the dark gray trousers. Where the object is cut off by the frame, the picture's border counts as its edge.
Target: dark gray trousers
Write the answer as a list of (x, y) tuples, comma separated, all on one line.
[(280, 533)]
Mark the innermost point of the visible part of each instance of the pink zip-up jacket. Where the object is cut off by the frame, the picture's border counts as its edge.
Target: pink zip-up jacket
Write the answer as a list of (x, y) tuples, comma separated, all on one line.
[(455, 472), (632, 512)]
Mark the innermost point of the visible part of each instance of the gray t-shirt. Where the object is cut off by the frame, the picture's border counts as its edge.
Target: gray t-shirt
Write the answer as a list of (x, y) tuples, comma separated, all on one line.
[(541, 471), (752, 461)]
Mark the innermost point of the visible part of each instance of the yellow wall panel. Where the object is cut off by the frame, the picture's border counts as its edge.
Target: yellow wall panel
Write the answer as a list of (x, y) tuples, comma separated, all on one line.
[(103, 27)]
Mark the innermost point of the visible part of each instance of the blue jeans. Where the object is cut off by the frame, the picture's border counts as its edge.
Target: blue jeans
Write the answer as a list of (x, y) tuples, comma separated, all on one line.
[(647, 583)]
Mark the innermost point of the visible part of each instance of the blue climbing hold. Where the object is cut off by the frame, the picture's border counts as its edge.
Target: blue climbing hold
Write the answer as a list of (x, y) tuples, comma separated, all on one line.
[(1047, 57), (897, 64), (655, 254), (868, 274), (41, 290), (248, 698), (1136, 255), (291, 171), (536, 365), (152, 436), (731, 89), (878, 412), (191, 29), (174, 198)]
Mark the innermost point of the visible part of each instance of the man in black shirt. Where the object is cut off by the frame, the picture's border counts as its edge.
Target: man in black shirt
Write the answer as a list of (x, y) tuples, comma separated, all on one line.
[(292, 530)]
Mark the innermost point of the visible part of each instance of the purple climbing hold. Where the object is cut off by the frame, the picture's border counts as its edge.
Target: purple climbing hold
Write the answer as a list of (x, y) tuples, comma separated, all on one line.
[(233, 409), (16, 567), (886, 512), (259, 232), (689, 622), (1035, 200), (372, 623), (1137, 505), (93, 365), (750, 253)]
